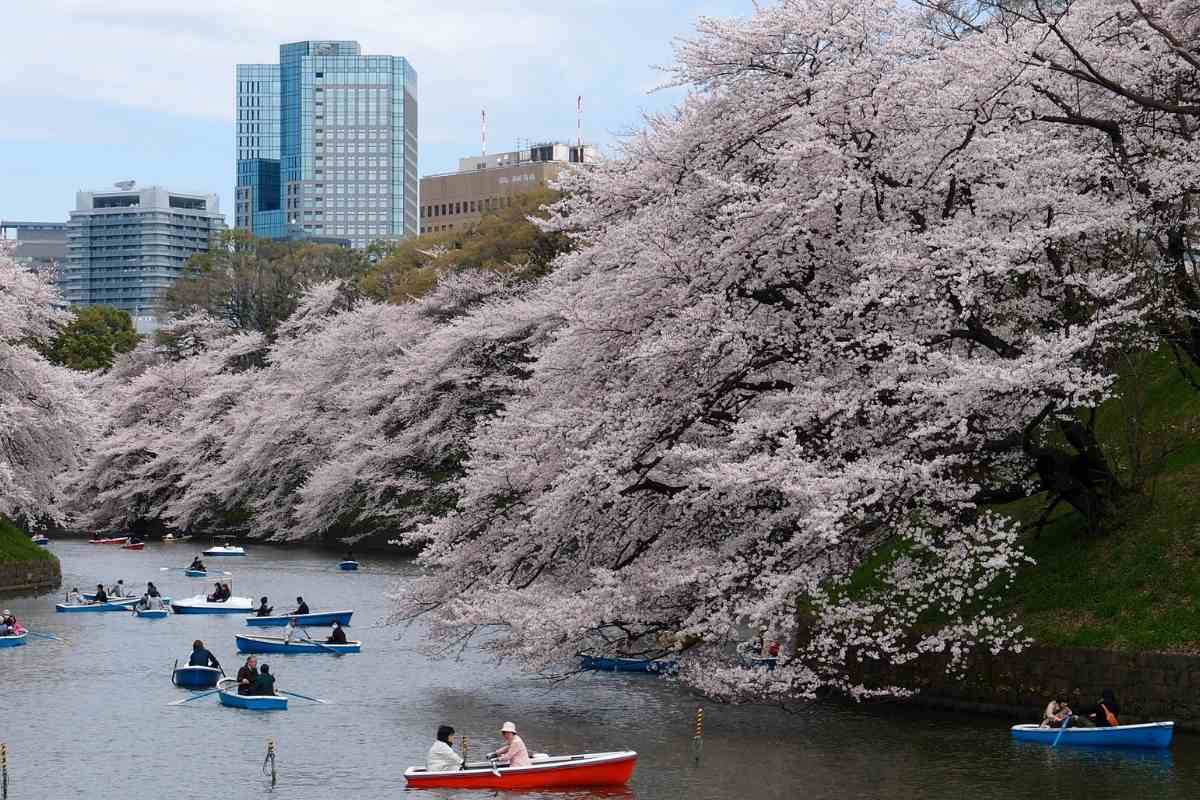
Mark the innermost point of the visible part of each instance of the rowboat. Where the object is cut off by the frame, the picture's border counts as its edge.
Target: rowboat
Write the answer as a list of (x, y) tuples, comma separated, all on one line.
[(151, 613), (40, 539), (199, 604), (229, 697), (588, 769), (138, 546), (225, 550), (348, 566), (661, 666), (319, 619), (196, 573), (278, 644), (1146, 735), (117, 540), (196, 677), (14, 640), (121, 604), (90, 596), (170, 537)]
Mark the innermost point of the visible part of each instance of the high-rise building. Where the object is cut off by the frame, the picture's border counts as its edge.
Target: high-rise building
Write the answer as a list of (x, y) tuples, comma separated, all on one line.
[(41, 245), (453, 200), (126, 247), (327, 145)]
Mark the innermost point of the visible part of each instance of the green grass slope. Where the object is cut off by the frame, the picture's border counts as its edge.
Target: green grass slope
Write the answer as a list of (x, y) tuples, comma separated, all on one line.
[(16, 546), (1137, 586)]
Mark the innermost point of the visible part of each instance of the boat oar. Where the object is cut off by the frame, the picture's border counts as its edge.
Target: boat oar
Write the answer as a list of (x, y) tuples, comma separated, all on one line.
[(49, 636), (195, 697), (1066, 722), (324, 646), (301, 696), (495, 771)]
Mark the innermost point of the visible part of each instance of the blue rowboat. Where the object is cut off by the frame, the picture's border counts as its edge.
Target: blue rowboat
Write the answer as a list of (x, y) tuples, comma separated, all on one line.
[(196, 677), (196, 573), (319, 619), (42, 540), (15, 640), (277, 644), (229, 697), (151, 613), (1154, 735), (660, 666), (90, 596), (349, 566), (199, 604), (112, 605)]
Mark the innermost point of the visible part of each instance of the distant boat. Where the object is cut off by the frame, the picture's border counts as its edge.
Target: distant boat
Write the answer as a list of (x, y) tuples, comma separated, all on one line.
[(225, 550), (122, 604), (658, 666), (749, 655), (1150, 735), (115, 540), (254, 702), (14, 640), (199, 604), (319, 619), (170, 537), (545, 772), (132, 546), (348, 566), (196, 573), (40, 538), (195, 677), (277, 644)]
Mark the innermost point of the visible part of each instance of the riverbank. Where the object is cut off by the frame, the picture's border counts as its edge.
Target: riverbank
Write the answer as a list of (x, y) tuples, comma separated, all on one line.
[(24, 566)]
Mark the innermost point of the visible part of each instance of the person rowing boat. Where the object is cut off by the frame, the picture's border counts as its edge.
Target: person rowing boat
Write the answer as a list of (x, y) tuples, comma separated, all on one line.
[(514, 750), (201, 657), (198, 565), (337, 635), (247, 676), (264, 610), (101, 595), (301, 607)]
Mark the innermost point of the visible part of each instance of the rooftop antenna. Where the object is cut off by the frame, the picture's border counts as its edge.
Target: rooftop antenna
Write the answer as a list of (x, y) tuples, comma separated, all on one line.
[(483, 132), (579, 125), (124, 186)]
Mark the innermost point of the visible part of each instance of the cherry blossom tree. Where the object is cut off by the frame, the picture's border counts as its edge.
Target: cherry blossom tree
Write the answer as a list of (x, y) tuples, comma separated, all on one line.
[(820, 318), (43, 411)]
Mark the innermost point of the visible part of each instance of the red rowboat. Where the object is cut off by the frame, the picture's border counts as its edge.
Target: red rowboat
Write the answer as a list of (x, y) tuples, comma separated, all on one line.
[(589, 769), (120, 540), (138, 546)]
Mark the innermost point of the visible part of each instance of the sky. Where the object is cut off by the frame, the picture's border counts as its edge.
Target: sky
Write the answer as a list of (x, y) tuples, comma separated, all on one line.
[(98, 91)]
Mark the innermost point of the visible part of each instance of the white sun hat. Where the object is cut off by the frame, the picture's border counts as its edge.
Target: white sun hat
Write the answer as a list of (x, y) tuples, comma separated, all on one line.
[(508, 727)]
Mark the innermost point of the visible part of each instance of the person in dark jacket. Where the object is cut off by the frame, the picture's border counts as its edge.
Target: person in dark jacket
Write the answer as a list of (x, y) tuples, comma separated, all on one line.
[(264, 610), (301, 607), (265, 685), (201, 657), (338, 636), (247, 676), (197, 564), (101, 595)]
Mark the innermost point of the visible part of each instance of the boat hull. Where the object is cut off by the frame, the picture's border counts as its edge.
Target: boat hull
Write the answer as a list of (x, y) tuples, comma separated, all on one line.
[(15, 640), (1151, 735), (199, 605), (322, 618), (589, 769), (111, 605), (348, 566), (152, 613), (195, 573), (41, 540), (196, 677), (606, 664), (230, 697), (120, 540), (224, 551), (270, 644), (138, 546)]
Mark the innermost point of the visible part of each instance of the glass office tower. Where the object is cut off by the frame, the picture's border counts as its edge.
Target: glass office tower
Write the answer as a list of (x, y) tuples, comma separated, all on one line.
[(327, 145)]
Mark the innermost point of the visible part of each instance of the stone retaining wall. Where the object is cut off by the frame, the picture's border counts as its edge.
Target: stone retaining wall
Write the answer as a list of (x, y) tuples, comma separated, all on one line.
[(30, 576), (1148, 686)]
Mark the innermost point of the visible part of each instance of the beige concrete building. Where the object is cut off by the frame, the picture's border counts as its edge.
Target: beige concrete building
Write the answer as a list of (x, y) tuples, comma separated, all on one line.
[(454, 200)]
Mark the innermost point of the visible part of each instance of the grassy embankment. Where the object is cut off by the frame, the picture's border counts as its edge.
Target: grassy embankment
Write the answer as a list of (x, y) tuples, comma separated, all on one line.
[(1137, 585), (15, 546)]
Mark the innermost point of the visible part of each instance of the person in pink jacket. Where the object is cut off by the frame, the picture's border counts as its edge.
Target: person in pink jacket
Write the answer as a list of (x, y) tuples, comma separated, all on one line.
[(513, 751)]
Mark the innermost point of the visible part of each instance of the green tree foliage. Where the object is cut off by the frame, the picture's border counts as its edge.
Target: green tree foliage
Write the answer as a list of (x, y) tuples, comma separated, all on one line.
[(504, 240), (254, 284), (96, 336)]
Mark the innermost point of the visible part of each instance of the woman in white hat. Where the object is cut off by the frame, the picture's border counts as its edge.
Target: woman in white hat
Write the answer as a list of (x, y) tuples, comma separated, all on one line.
[(513, 751)]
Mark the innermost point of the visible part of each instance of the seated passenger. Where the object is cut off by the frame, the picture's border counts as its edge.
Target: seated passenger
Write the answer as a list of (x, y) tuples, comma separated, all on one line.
[(201, 657), (101, 595), (197, 564), (264, 610), (265, 684), (337, 636), (442, 757), (301, 607)]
